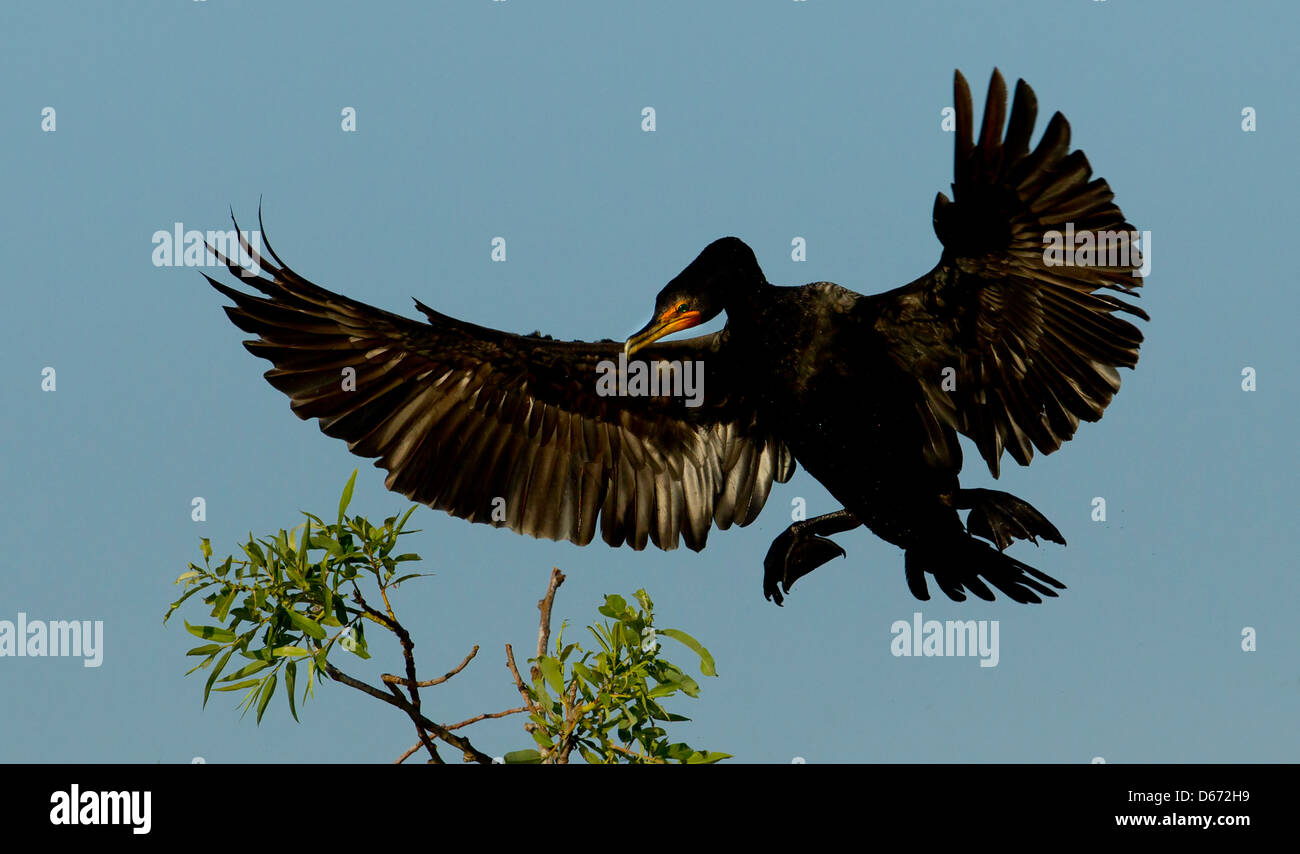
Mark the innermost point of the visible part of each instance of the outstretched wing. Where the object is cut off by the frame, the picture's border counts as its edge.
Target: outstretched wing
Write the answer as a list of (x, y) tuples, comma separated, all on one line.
[(473, 420), (1006, 346)]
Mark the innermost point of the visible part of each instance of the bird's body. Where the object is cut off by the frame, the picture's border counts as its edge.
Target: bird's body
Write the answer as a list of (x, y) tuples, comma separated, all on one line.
[(867, 393), (825, 390)]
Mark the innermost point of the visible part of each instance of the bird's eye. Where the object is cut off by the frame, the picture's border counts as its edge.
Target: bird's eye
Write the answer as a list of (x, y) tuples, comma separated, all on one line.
[(681, 309)]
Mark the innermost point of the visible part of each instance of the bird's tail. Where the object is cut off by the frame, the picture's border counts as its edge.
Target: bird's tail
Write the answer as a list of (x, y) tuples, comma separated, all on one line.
[(961, 563)]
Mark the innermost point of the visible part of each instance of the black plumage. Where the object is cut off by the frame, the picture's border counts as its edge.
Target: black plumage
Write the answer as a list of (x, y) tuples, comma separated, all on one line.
[(868, 393)]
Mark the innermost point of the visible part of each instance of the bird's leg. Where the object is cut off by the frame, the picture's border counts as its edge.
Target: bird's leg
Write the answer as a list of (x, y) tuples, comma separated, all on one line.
[(1001, 518), (800, 549)]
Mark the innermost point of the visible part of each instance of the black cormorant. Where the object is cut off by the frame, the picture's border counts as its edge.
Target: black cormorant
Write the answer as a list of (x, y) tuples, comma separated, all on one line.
[(1002, 341)]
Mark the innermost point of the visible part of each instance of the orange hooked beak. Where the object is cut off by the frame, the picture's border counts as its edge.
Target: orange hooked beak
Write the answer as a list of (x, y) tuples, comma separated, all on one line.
[(665, 324)]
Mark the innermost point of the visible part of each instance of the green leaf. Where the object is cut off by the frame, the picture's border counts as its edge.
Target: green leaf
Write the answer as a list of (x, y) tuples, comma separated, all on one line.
[(614, 606), (280, 545), (267, 691), (329, 544), (212, 633), (206, 548), (205, 649), (291, 567), (407, 577), (523, 757), (305, 547), (551, 670), (689, 686), (581, 670), (359, 647), (407, 515), (540, 695), (290, 674), (248, 683), (248, 670), (216, 671), (202, 664), (250, 698), (347, 495), (707, 666), (306, 624), (188, 594), (254, 552), (186, 576), (679, 752), (222, 607), (288, 651)]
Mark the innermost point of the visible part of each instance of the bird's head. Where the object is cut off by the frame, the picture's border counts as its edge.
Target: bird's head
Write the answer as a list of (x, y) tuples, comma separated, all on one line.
[(699, 293)]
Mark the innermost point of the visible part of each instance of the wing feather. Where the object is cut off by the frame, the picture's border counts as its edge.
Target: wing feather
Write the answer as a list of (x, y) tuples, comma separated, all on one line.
[(1033, 348), (463, 416)]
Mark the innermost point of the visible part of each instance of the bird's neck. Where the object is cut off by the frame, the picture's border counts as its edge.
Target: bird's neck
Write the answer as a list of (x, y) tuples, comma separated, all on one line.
[(746, 306)]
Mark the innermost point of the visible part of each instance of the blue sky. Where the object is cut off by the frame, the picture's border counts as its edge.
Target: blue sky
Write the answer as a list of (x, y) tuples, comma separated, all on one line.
[(774, 120)]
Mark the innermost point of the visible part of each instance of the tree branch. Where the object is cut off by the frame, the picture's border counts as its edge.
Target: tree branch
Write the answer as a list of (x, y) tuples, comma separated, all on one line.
[(487, 715), (397, 680), (451, 738), (519, 683), (408, 653), (544, 624)]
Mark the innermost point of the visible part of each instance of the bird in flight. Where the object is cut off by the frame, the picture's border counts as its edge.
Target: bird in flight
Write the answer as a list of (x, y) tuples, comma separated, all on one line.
[(1011, 340)]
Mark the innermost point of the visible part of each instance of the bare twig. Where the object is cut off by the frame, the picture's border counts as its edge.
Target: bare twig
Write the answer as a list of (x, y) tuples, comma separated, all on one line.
[(519, 683), (487, 715), (651, 759), (544, 624), (397, 680), (415, 747), (407, 755)]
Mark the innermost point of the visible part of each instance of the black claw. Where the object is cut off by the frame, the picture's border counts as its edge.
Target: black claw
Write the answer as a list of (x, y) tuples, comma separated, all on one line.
[(1002, 518), (793, 555)]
